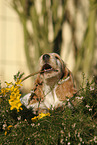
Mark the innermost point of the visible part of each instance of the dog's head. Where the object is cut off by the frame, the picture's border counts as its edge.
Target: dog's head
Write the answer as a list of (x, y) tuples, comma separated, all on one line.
[(52, 66)]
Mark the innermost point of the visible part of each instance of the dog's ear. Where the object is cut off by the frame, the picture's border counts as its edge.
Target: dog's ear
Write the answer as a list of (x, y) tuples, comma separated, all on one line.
[(67, 73), (37, 92), (63, 67), (38, 80), (65, 70), (66, 86)]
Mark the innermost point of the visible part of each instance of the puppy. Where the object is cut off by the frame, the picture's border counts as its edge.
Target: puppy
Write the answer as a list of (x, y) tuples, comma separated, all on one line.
[(53, 85)]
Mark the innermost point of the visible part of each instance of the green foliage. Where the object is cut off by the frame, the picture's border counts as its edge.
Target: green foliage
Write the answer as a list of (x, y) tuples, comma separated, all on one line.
[(18, 75), (70, 124)]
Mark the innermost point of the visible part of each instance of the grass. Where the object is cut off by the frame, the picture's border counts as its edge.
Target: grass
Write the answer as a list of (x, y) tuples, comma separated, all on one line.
[(66, 125)]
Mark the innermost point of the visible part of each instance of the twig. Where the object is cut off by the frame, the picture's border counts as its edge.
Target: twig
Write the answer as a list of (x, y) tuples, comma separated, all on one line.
[(30, 75), (37, 73)]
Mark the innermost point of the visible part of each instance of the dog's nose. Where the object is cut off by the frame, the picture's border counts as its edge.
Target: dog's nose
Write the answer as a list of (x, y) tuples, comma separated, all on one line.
[(46, 57)]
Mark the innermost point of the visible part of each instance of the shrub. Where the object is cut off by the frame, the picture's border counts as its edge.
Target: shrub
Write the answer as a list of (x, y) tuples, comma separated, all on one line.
[(65, 125)]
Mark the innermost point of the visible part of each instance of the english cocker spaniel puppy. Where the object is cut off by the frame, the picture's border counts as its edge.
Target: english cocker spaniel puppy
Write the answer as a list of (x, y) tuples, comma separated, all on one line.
[(53, 85)]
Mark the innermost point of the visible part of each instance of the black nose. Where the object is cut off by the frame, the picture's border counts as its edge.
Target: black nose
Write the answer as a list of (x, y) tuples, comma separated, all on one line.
[(46, 57)]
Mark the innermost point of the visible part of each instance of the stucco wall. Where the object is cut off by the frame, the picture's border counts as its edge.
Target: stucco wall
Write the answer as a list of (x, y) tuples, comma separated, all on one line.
[(12, 55)]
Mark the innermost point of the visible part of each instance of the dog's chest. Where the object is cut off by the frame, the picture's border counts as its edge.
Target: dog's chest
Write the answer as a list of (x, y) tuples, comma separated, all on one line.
[(50, 98)]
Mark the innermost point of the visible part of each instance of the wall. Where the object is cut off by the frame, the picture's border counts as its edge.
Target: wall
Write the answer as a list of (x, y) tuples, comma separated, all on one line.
[(12, 55)]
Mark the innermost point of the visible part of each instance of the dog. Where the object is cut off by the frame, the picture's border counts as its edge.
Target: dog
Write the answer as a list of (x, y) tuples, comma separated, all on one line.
[(53, 85)]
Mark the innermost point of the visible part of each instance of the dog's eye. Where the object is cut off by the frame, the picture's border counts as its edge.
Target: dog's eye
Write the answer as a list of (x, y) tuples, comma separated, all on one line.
[(56, 57)]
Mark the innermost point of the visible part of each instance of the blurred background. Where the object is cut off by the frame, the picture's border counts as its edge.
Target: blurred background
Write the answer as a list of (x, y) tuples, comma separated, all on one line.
[(29, 28)]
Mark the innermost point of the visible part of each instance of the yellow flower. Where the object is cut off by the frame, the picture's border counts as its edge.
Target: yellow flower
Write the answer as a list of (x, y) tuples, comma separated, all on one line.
[(14, 95), (8, 128), (5, 132), (15, 103), (14, 100), (21, 108), (8, 84), (14, 88), (3, 91), (13, 91), (41, 115), (34, 119), (18, 82)]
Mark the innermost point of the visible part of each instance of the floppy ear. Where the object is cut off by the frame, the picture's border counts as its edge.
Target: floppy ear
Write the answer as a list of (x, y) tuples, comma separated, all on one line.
[(65, 86), (37, 92), (65, 70), (38, 80)]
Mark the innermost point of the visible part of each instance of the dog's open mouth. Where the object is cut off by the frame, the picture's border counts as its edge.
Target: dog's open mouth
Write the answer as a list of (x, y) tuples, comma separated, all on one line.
[(47, 68)]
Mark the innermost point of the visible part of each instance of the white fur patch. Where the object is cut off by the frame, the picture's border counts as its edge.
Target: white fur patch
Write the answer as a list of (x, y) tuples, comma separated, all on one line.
[(51, 100), (24, 100)]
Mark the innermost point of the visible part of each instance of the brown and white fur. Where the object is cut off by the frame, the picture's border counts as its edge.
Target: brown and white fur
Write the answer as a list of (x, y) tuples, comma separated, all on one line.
[(52, 86)]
